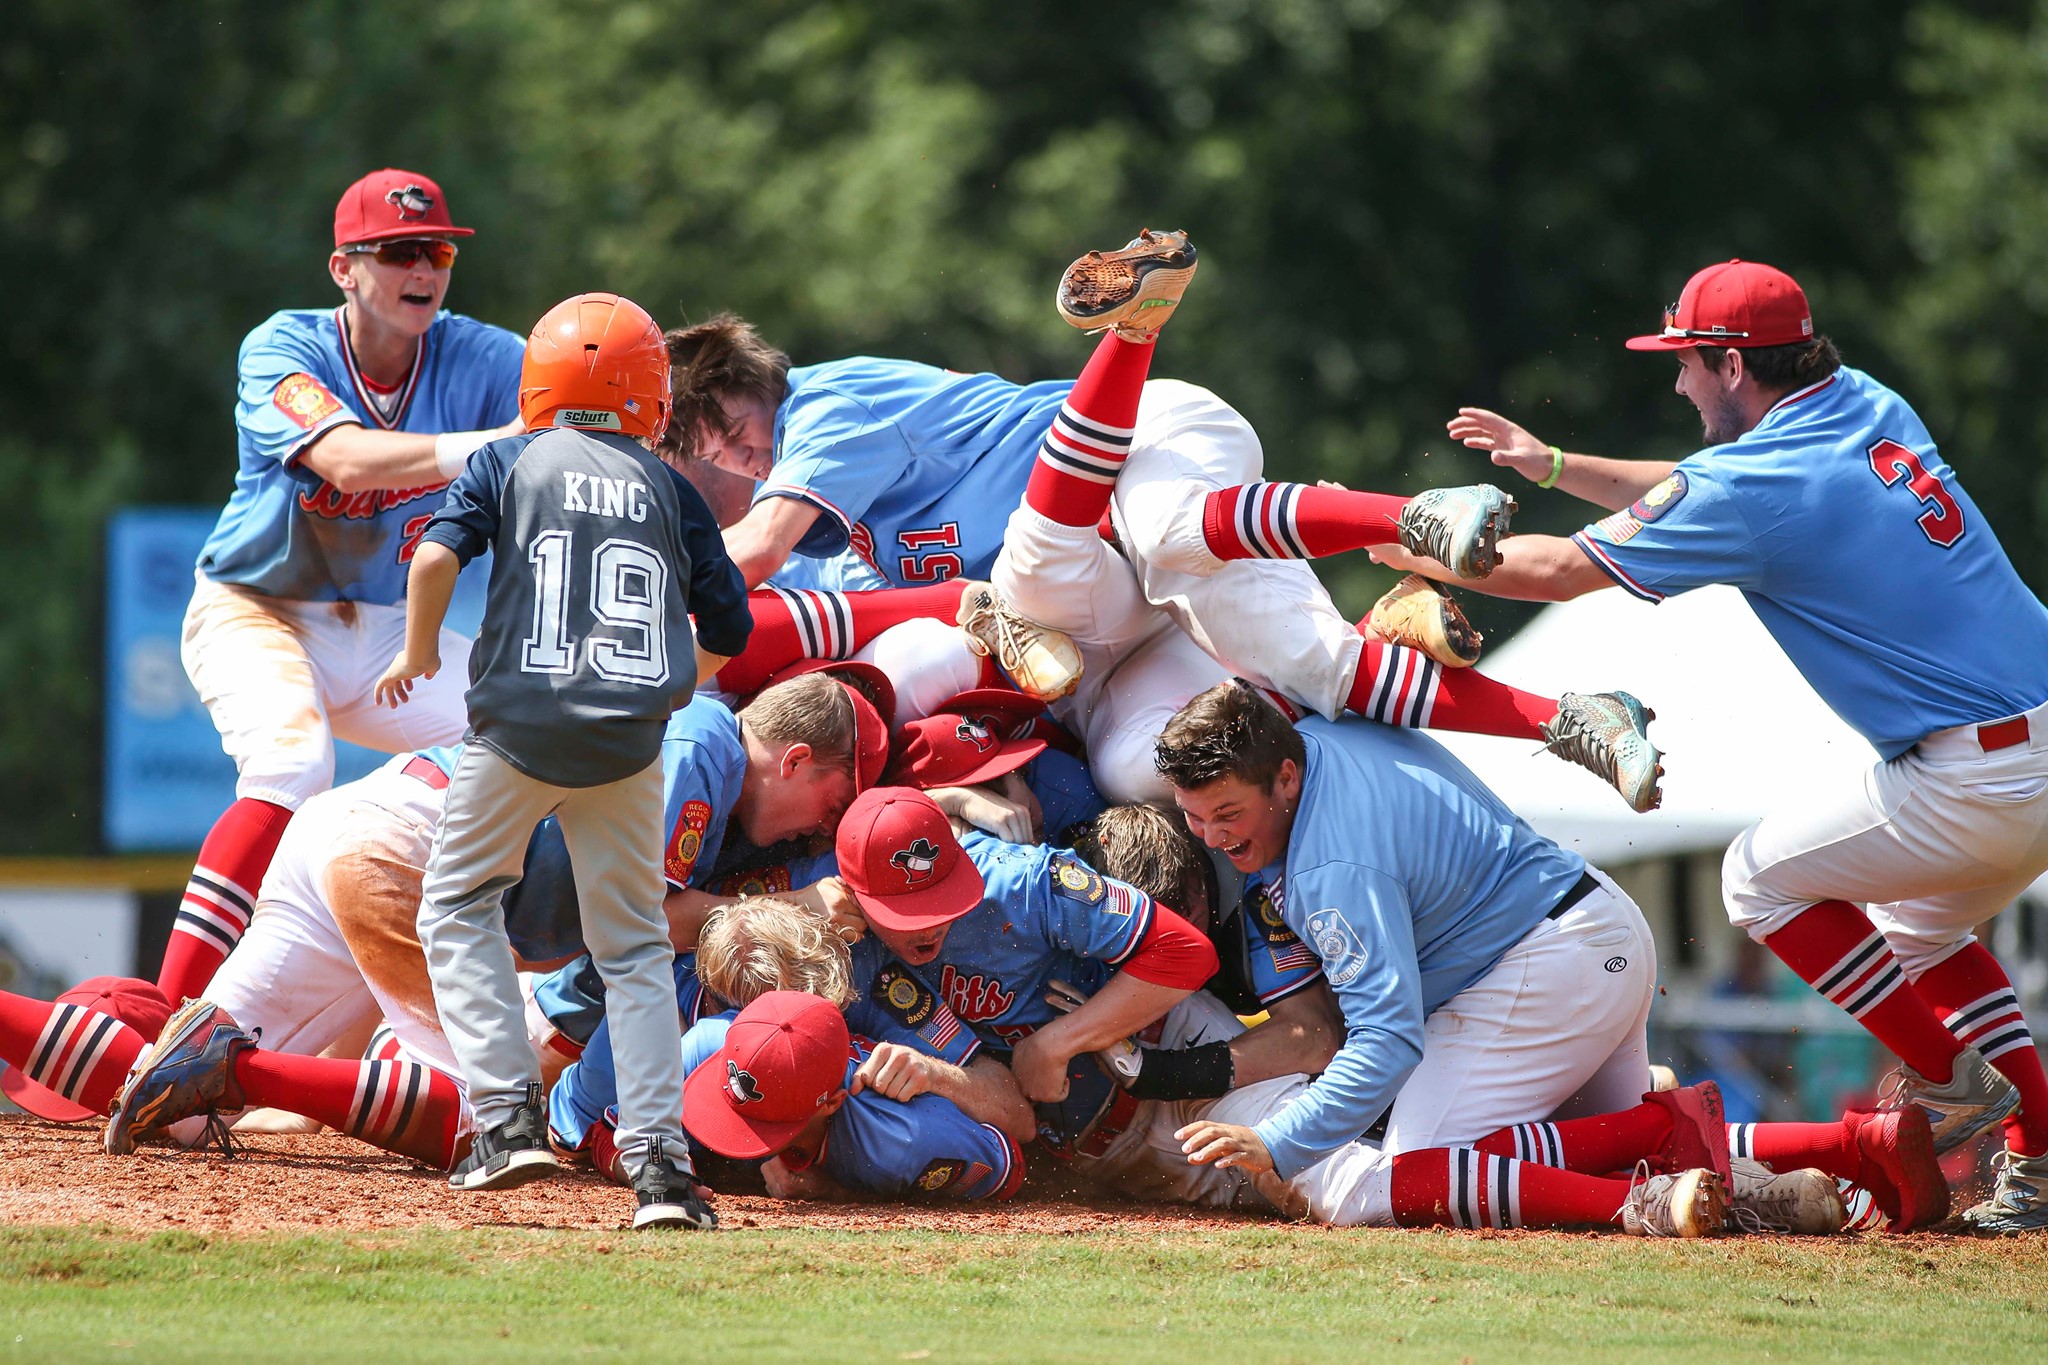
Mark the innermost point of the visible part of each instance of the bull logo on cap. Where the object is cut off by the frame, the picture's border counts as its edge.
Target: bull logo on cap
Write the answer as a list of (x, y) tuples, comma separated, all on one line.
[(740, 1084), (411, 201), (917, 861), (972, 731)]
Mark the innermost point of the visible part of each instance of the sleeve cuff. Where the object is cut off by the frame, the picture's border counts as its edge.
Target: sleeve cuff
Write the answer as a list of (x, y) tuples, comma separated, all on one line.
[(1290, 1159), (1597, 552), (726, 634), (454, 536)]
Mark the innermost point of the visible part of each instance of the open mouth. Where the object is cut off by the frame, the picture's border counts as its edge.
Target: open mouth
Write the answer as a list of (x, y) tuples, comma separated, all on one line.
[(1236, 851), (418, 300)]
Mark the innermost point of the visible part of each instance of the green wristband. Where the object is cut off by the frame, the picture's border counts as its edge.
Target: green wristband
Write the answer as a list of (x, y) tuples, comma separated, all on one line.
[(1556, 469)]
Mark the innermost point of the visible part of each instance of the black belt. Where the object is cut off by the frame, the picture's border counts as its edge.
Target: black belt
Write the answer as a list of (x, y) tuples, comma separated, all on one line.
[(1582, 888)]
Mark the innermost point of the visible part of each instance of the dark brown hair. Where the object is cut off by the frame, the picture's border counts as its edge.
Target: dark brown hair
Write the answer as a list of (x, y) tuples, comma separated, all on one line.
[(1781, 367), (721, 357), (1228, 731)]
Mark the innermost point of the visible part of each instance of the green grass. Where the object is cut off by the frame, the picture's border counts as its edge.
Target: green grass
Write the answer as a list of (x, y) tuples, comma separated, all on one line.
[(1251, 1295)]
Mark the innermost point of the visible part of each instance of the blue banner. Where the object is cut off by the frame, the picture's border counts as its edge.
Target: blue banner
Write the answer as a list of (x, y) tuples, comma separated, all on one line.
[(167, 779)]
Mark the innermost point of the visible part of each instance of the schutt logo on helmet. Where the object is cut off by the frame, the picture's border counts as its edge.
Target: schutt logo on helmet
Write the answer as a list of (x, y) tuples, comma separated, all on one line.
[(917, 861), (411, 201)]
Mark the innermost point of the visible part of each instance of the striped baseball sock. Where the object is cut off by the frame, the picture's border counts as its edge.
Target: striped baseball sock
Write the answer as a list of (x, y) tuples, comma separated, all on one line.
[(1296, 521), (81, 1054), (221, 896), (791, 626), (400, 1106), (1792, 1146), (1974, 999), (1594, 1146), (1833, 947), (1457, 1187), (1396, 685), (1090, 437)]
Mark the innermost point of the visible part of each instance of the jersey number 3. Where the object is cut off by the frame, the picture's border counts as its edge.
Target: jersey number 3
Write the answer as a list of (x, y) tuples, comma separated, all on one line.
[(1943, 520), (628, 585)]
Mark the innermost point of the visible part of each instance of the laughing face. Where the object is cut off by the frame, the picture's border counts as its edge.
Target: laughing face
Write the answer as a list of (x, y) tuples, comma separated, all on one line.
[(1248, 824)]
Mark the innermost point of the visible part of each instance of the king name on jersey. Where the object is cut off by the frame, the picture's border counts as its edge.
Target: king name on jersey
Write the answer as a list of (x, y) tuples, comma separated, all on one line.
[(603, 497)]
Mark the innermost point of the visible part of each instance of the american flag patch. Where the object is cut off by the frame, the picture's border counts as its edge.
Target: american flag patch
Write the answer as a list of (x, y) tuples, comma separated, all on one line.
[(1294, 957), (943, 1028), (1121, 899)]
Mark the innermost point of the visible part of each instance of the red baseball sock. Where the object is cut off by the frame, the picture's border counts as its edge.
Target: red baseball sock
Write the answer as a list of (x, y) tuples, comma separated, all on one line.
[(402, 1107), (221, 896), (791, 626), (1833, 947), (1091, 436), (1296, 521), (1794, 1146), (81, 1054), (1595, 1145), (1457, 1187), (1396, 685), (1973, 997)]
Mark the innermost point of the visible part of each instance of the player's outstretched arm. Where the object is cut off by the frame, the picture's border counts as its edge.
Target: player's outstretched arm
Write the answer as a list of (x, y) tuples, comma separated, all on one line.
[(1531, 569), (354, 459), (428, 588), (1612, 484), (1299, 1034), (985, 1089), (766, 536), (1123, 1006)]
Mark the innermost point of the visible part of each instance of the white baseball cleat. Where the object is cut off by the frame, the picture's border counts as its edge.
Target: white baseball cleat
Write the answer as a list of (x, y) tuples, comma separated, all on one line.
[(1684, 1204), (1806, 1203), (1041, 661)]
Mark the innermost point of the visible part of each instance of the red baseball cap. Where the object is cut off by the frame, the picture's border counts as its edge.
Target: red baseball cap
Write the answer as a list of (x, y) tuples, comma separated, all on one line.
[(953, 750), (1008, 713), (783, 1059), (898, 856), (136, 1003), (870, 730), (393, 203), (1737, 303)]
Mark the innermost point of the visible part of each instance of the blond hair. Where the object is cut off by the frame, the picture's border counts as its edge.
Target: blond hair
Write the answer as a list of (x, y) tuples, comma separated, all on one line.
[(763, 943)]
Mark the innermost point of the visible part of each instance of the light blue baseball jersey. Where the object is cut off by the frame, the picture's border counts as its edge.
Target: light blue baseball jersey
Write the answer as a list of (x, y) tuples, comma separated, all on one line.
[(843, 572), (1861, 554), (703, 761), (894, 1149), (1272, 961), (1410, 880), (916, 468), (287, 532)]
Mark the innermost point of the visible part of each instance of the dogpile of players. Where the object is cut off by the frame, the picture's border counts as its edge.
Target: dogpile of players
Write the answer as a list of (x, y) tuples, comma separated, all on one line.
[(871, 781)]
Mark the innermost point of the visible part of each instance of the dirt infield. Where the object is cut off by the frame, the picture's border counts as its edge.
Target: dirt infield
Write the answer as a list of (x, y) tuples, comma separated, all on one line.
[(57, 1176)]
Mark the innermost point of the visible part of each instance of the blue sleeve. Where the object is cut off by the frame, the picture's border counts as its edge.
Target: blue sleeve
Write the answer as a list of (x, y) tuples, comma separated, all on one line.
[(501, 357), (690, 799), (718, 595), (1086, 913), (836, 455), (468, 520), (1066, 793), (281, 406), (1358, 921), (926, 1148), (1280, 962), (583, 1092), (572, 999), (1687, 532), (896, 1007)]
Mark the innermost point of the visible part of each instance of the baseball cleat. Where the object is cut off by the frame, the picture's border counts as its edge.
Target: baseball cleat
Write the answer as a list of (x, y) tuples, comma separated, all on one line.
[(1663, 1078), (1041, 661), (1460, 528), (513, 1153), (1699, 1134), (1131, 292), (1418, 614), (189, 1072), (1973, 1099), (1864, 1213), (1607, 733), (1900, 1169), (668, 1195), (1805, 1203), (1683, 1204), (2019, 1201)]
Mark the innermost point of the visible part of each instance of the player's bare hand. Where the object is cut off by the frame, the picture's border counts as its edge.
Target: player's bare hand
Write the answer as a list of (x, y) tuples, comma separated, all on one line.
[(1224, 1144), (1040, 1070), (395, 687), (1512, 446), (1406, 561), (787, 1182), (1011, 814), (894, 1072), (835, 898)]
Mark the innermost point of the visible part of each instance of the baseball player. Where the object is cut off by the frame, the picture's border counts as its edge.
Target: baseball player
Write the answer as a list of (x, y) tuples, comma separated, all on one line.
[(1923, 639), (600, 553), (349, 421)]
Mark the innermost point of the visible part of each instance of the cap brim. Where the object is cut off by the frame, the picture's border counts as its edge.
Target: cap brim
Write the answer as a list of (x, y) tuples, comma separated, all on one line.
[(992, 701), (1657, 342), (719, 1126), (928, 907), (415, 230), (1010, 756), (36, 1099)]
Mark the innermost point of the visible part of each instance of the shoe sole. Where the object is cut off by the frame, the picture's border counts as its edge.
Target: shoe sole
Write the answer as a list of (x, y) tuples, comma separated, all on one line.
[(1706, 1194), (520, 1168), (1101, 285), (122, 1125), (1914, 1170), (659, 1216)]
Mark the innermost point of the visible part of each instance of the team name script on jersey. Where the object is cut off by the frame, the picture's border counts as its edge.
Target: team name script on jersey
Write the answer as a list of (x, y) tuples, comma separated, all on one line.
[(331, 504), (602, 497), (974, 998)]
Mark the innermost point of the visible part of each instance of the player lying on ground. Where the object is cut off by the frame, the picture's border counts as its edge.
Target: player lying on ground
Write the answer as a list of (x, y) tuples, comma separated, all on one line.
[(1822, 496), (920, 468), (349, 423)]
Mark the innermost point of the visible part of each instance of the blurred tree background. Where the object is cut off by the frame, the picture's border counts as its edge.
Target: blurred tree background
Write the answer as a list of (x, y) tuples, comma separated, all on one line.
[(1402, 207)]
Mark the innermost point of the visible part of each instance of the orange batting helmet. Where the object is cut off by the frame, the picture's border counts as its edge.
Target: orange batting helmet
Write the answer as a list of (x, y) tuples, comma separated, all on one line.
[(596, 361)]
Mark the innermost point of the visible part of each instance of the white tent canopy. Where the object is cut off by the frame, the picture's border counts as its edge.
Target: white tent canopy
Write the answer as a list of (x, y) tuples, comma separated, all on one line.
[(1742, 732)]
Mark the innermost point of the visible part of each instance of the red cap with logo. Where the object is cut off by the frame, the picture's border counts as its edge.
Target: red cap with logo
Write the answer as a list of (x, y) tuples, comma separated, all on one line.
[(870, 730), (390, 203), (953, 750), (136, 1003), (1737, 303), (898, 856), (783, 1059)]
